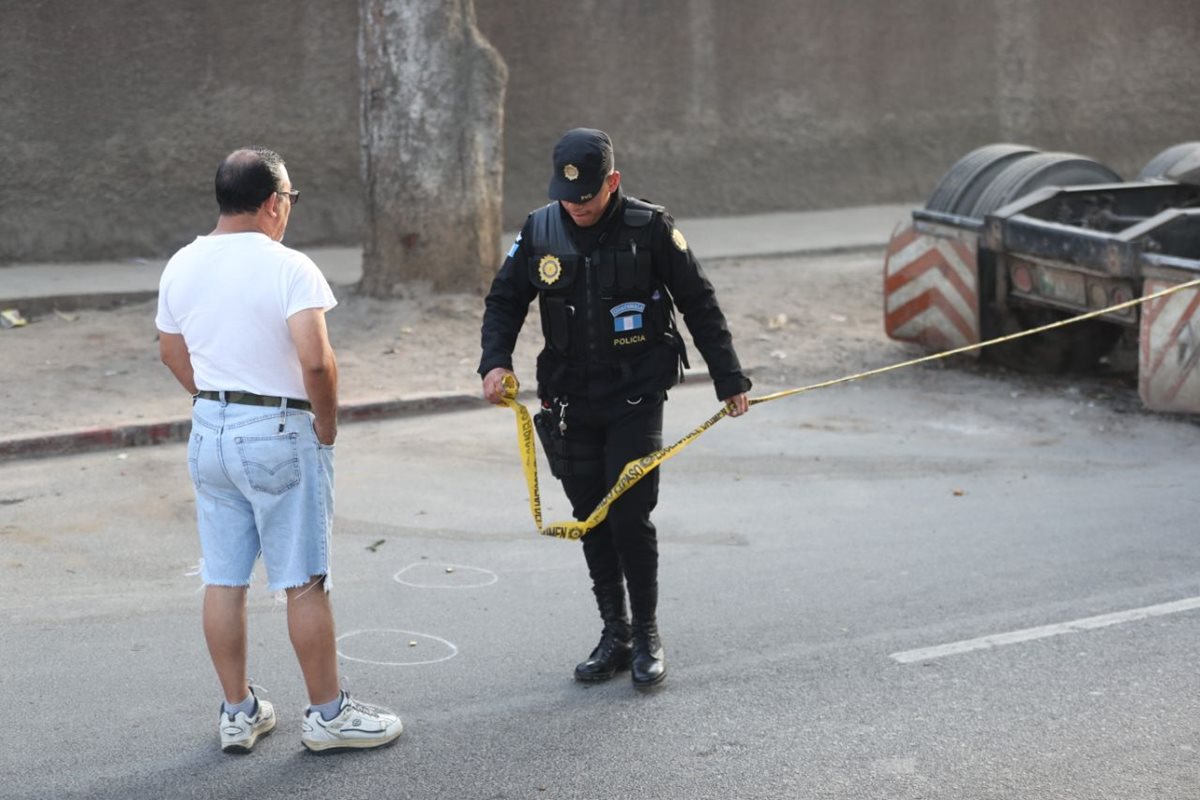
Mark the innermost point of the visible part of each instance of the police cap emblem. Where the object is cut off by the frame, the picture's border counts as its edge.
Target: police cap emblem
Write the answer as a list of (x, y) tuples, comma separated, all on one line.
[(549, 269), (571, 172)]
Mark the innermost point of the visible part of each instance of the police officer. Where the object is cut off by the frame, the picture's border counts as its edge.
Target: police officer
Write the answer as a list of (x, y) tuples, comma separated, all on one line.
[(608, 271)]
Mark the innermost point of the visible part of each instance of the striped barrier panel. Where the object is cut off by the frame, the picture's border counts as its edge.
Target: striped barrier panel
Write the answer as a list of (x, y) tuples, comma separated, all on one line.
[(930, 289), (1169, 348)]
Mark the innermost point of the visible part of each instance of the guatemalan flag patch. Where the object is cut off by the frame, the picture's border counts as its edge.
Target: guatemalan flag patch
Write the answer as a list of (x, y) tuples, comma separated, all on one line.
[(627, 317)]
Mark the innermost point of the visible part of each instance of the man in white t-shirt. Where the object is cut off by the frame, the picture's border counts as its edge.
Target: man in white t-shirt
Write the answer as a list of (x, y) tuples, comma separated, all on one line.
[(241, 322)]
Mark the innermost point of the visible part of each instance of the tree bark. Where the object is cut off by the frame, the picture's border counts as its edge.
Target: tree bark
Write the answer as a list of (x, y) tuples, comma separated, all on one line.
[(432, 146)]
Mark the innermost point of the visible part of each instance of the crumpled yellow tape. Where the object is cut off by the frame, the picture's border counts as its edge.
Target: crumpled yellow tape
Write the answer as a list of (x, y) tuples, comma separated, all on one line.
[(633, 472), (639, 468)]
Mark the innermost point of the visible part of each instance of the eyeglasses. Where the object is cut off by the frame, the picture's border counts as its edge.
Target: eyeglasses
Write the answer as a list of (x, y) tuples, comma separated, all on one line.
[(293, 195)]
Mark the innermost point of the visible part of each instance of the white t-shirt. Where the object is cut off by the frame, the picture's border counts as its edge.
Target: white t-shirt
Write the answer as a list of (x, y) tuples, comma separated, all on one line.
[(230, 296)]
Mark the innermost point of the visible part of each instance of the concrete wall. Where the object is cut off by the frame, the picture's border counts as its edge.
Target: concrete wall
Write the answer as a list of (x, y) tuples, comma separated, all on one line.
[(113, 116)]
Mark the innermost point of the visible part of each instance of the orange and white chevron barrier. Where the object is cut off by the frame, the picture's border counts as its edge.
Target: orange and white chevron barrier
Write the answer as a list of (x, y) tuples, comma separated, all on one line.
[(1169, 341), (930, 289)]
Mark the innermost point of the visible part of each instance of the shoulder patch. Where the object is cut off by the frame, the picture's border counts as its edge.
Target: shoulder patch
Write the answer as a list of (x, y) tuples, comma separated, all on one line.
[(679, 240)]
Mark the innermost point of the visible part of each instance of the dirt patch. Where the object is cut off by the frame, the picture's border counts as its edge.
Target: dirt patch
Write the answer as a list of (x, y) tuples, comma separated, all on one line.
[(794, 320)]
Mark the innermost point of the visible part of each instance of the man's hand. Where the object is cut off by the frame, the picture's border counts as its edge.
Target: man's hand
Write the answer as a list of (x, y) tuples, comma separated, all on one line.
[(738, 404), (326, 430), (319, 369), (493, 385)]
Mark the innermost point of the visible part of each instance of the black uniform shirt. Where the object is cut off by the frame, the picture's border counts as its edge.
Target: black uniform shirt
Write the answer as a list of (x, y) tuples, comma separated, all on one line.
[(507, 303)]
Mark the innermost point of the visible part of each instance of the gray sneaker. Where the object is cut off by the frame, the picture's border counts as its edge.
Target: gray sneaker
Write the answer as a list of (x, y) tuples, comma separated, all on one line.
[(239, 732), (357, 725)]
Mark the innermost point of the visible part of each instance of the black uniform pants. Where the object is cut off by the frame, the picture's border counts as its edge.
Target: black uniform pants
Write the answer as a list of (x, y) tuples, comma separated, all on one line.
[(611, 433)]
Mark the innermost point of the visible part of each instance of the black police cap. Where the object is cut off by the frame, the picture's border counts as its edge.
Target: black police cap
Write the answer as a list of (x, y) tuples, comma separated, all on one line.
[(583, 157)]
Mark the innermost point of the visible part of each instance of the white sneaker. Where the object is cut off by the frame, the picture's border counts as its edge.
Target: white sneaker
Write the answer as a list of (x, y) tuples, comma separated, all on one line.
[(239, 732), (356, 725)]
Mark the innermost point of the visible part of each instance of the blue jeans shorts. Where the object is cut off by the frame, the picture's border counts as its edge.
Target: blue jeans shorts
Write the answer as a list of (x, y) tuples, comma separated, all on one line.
[(260, 490)]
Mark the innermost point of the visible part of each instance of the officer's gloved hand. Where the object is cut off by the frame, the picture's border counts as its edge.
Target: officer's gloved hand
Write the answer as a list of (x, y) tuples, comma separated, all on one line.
[(493, 385)]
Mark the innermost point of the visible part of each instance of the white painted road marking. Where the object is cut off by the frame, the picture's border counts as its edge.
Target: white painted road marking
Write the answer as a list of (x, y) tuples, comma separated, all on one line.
[(451, 647), (1044, 631), (481, 577)]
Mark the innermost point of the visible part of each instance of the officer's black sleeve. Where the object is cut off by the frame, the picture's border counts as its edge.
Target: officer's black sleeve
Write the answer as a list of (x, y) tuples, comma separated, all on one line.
[(697, 301), (506, 307)]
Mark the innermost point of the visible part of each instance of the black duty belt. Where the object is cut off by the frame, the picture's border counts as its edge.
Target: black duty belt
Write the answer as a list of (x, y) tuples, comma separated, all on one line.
[(250, 399)]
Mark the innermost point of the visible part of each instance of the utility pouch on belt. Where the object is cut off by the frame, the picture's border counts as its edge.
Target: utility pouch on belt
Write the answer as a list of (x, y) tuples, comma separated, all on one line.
[(566, 458), (553, 442)]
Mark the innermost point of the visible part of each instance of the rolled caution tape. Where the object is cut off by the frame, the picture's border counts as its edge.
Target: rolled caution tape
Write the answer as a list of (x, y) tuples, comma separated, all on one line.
[(639, 468)]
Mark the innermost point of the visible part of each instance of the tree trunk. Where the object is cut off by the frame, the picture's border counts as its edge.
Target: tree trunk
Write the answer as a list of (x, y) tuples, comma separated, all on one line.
[(432, 139)]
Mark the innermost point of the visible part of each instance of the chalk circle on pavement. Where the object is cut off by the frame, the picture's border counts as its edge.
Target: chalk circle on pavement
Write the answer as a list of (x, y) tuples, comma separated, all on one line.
[(391, 647), (432, 575)]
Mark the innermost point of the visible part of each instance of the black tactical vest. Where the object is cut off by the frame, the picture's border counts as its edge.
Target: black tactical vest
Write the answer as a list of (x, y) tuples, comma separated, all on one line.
[(606, 317)]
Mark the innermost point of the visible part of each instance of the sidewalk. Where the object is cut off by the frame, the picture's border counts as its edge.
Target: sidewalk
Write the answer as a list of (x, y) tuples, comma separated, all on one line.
[(81, 285), (40, 289)]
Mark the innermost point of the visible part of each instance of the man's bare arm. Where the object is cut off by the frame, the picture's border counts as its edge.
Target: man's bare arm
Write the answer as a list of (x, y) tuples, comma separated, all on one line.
[(319, 366), (174, 353)]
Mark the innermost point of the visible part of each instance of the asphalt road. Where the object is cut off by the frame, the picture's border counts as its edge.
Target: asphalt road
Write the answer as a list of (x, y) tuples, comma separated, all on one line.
[(811, 552)]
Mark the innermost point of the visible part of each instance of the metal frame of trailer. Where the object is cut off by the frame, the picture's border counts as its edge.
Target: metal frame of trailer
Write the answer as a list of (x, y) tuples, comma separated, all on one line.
[(951, 280)]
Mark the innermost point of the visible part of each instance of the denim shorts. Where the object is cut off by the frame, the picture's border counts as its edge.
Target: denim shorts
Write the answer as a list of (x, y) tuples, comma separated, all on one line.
[(260, 490)]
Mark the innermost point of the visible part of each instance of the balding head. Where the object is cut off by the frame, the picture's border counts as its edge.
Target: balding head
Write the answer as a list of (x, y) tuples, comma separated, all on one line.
[(246, 178)]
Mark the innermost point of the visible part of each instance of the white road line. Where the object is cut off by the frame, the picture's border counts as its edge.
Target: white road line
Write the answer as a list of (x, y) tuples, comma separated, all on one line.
[(1044, 631), (451, 646), (489, 577)]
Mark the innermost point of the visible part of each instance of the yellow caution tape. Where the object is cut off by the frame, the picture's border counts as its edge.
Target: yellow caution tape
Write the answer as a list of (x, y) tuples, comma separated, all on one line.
[(525, 436), (639, 468)]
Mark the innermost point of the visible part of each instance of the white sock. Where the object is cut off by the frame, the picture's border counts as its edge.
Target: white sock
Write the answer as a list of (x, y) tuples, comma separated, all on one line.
[(246, 706), (329, 710)]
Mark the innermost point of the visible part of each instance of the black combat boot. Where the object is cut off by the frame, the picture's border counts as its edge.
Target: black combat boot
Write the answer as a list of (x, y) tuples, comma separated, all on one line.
[(649, 663), (612, 654)]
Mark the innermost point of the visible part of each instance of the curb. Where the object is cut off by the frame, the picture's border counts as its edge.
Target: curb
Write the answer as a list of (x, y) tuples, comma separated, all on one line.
[(99, 301), (119, 437), (40, 305)]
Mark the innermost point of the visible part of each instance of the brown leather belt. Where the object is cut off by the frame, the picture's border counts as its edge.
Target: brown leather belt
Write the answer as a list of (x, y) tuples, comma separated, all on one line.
[(249, 399)]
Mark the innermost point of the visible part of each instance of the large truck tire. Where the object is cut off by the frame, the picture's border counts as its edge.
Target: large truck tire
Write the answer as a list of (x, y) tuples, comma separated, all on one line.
[(959, 188), (1074, 348), (1036, 172), (1176, 163)]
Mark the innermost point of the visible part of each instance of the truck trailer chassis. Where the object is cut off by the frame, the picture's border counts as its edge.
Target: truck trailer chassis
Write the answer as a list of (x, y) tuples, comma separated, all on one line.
[(1013, 238)]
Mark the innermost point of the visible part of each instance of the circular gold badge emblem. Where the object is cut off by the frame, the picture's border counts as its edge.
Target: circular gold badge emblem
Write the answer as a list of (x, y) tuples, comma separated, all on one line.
[(549, 269), (571, 172), (677, 238)]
